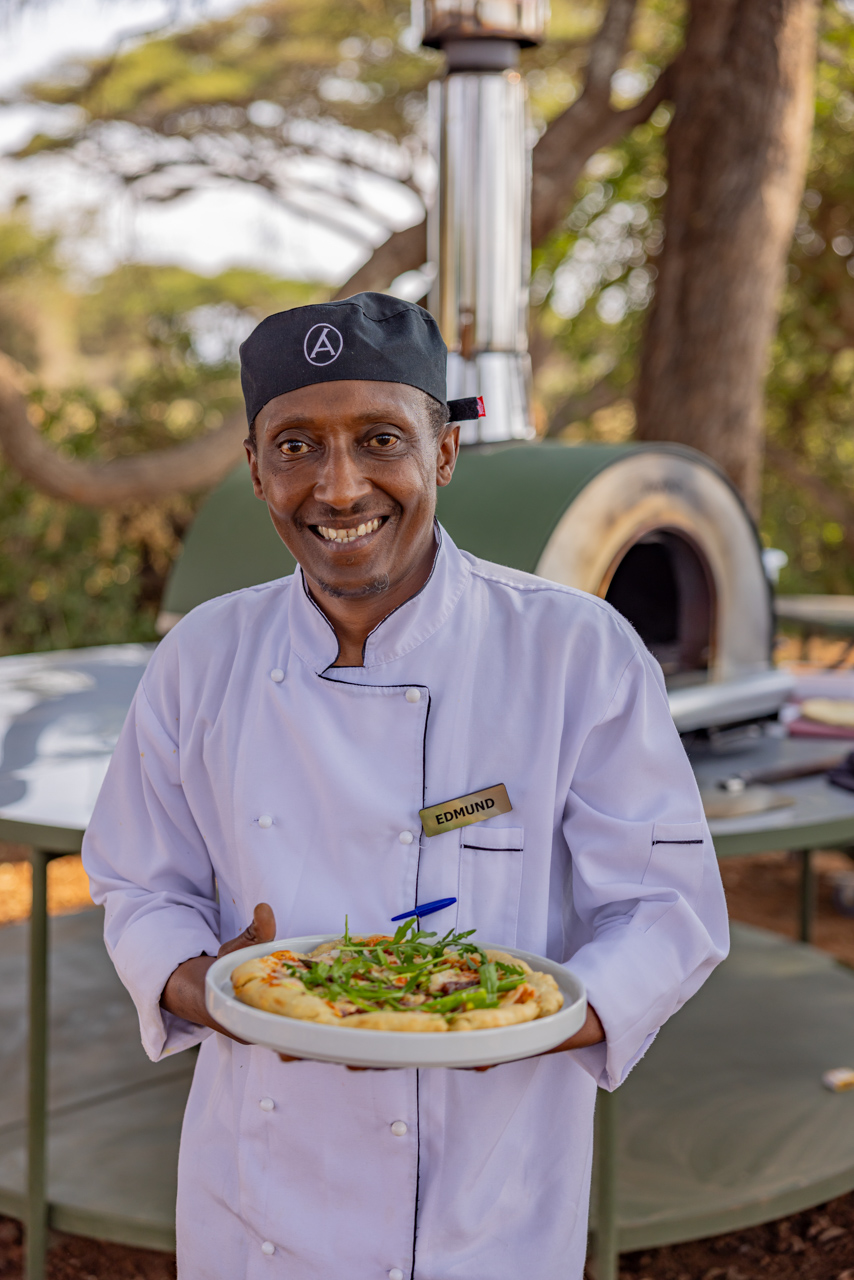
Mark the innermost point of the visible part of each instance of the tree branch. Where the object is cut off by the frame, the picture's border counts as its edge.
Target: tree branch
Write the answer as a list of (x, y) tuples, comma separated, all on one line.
[(600, 395), (403, 251), (559, 156), (606, 51), (564, 149), (199, 464)]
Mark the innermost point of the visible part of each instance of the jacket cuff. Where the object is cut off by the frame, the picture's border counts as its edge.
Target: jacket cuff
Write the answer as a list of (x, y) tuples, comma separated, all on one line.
[(148, 953), (629, 977)]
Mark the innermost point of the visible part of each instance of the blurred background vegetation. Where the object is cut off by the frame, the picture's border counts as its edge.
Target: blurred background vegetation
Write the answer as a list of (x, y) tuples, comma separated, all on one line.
[(309, 100)]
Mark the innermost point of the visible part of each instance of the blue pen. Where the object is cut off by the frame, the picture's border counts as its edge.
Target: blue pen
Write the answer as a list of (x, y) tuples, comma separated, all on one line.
[(426, 910)]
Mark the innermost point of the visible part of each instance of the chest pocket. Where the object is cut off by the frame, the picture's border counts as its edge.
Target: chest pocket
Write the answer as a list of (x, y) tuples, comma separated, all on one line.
[(490, 882)]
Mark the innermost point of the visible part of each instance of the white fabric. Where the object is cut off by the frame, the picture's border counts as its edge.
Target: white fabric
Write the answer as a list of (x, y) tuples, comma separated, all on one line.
[(543, 688)]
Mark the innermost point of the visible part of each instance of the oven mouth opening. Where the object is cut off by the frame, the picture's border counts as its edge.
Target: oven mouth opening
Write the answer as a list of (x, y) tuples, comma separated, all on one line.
[(662, 585)]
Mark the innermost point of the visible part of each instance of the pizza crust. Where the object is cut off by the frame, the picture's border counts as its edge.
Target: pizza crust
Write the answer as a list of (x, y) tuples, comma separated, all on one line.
[(504, 1016), (396, 1020), (255, 983)]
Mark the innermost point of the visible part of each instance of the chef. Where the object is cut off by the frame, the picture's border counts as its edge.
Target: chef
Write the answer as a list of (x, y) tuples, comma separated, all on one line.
[(289, 753)]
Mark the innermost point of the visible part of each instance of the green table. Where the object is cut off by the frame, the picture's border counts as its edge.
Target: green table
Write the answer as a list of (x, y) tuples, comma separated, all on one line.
[(691, 1155), (821, 818), (60, 716), (114, 1116), (725, 1123)]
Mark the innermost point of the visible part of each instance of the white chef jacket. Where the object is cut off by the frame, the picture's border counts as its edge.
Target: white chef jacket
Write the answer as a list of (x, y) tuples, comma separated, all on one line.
[(604, 863)]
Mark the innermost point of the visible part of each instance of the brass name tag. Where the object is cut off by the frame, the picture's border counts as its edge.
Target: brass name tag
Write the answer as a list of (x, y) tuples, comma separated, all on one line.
[(465, 809)]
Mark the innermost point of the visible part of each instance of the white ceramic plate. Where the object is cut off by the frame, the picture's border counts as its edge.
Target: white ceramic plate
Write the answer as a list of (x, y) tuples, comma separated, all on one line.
[(362, 1048)]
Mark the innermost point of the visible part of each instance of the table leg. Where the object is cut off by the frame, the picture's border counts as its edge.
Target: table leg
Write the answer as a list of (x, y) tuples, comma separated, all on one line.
[(846, 654), (807, 905), (607, 1252), (36, 1242)]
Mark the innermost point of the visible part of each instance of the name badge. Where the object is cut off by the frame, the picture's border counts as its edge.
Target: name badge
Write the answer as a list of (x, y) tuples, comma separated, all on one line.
[(465, 809)]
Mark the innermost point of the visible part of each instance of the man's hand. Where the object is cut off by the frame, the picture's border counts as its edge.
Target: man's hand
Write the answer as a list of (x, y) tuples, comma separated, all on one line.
[(184, 993), (591, 1033)]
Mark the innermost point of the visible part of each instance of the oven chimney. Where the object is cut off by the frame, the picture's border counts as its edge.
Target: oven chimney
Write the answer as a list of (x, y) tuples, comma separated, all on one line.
[(478, 227)]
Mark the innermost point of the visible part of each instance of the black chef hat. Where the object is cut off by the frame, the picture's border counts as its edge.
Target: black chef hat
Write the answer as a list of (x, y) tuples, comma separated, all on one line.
[(370, 337)]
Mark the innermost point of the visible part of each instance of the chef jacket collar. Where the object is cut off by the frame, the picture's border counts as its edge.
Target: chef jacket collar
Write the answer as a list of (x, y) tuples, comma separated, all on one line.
[(405, 628)]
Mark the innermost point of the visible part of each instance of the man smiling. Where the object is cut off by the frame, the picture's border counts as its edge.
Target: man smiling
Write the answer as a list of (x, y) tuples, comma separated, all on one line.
[(280, 764), (349, 471)]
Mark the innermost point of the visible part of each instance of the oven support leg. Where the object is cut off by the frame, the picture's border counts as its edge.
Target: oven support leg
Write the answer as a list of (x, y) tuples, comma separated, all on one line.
[(607, 1252), (807, 903), (37, 1229)]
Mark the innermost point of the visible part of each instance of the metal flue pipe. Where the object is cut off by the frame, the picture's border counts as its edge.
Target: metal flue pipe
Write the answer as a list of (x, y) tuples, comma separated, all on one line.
[(479, 224)]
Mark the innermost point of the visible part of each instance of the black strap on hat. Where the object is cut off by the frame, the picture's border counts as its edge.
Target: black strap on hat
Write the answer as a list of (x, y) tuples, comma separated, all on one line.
[(466, 410)]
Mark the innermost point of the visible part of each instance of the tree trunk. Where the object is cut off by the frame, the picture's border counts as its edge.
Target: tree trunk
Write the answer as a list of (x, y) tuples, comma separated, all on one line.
[(737, 152)]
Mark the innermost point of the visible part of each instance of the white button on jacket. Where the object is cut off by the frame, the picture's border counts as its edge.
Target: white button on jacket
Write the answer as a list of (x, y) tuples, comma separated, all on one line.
[(537, 686), (399, 1128)]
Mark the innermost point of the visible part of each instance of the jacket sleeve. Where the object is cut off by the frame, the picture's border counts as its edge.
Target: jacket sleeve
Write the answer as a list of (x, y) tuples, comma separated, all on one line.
[(648, 906), (149, 868)]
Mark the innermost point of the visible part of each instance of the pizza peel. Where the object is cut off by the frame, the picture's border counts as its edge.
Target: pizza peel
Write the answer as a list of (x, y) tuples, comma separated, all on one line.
[(358, 1047)]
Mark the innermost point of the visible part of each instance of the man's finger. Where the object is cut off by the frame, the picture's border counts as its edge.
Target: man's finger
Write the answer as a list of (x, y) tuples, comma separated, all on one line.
[(262, 929)]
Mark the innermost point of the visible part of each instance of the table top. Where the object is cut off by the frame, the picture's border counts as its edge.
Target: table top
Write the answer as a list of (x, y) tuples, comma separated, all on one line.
[(822, 816), (60, 717), (61, 714), (828, 613), (725, 1123)]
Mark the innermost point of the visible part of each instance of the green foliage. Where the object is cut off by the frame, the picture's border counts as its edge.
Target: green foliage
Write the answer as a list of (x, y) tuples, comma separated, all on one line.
[(811, 380), (134, 379), (593, 279), (347, 61), (240, 98), (811, 377), (241, 95), (283, 51)]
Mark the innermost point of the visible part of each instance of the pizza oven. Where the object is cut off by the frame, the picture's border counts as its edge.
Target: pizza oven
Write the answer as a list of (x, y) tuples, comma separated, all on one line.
[(657, 531)]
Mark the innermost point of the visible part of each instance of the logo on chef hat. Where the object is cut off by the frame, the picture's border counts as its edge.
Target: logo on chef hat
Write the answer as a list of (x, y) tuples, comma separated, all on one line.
[(323, 344)]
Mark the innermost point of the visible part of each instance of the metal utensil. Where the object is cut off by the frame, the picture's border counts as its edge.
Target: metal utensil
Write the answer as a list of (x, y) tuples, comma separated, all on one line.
[(735, 783)]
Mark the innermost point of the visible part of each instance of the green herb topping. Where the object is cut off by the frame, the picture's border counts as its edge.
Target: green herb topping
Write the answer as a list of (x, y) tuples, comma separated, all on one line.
[(411, 970)]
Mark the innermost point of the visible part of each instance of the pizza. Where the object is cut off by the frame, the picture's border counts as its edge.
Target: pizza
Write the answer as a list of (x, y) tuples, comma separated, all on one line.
[(411, 981)]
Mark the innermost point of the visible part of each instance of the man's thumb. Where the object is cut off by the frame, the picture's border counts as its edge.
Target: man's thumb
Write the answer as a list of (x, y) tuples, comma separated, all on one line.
[(262, 929)]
